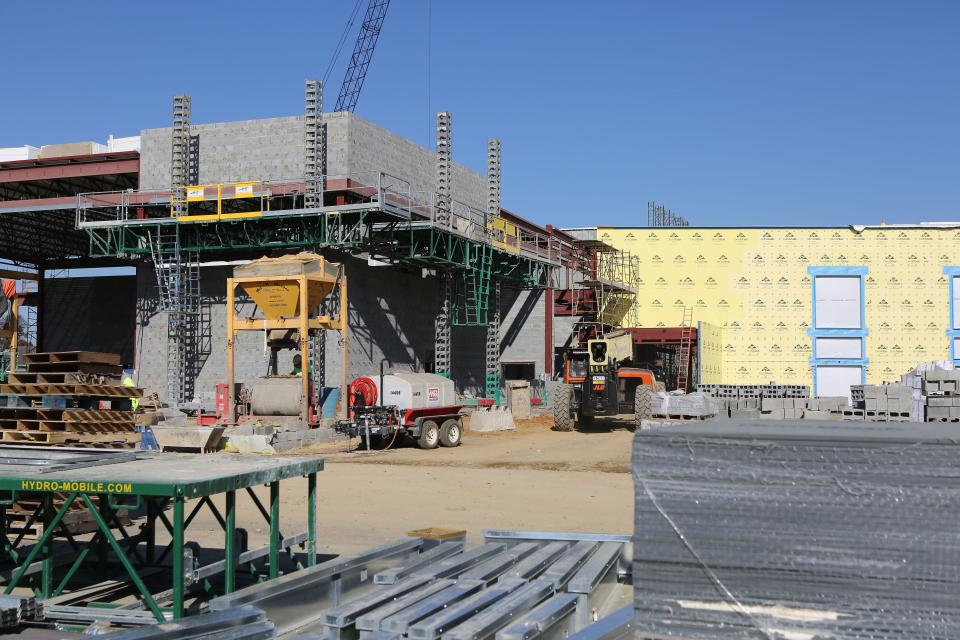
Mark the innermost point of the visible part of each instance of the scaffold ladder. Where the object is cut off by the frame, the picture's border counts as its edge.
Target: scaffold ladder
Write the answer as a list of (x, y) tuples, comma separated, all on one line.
[(492, 375), (178, 286), (442, 337), (683, 356), (472, 303)]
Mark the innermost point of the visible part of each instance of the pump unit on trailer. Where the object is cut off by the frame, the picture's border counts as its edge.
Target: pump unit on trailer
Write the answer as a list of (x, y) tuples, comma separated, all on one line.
[(418, 405)]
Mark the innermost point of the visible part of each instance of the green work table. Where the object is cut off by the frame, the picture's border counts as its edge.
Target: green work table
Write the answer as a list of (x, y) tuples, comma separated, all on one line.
[(104, 482)]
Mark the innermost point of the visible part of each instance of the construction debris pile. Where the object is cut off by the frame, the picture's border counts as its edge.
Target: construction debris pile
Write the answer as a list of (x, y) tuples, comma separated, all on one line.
[(764, 530)]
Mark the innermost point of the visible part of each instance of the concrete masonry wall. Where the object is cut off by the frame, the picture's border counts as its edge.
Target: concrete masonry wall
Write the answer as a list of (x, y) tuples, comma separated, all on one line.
[(392, 315), (272, 149)]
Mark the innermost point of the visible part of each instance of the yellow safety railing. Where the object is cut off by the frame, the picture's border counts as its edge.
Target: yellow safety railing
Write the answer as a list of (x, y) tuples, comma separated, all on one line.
[(504, 235), (221, 191)]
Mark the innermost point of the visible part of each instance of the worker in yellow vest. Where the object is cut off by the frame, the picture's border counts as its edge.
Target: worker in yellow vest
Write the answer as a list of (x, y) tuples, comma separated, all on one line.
[(128, 382)]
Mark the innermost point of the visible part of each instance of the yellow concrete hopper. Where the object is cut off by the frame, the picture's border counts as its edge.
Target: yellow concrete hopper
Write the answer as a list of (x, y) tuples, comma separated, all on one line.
[(274, 283)]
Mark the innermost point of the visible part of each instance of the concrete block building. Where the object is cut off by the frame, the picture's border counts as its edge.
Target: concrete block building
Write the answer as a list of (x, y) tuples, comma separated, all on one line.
[(383, 225)]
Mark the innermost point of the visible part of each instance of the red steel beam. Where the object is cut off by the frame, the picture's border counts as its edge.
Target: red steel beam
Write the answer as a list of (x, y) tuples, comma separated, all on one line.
[(660, 335), (78, 169)]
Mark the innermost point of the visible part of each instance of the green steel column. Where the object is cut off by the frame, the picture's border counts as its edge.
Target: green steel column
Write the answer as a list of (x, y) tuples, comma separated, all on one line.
[(274, 529), (230, 531), (122, 556), (311, 519), (178, 586), (41, 543), (46, 583), (150, 531), (102, 545)]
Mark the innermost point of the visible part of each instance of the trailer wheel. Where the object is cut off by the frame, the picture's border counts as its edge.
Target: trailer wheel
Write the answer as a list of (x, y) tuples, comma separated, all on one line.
[(642, 399), (429, 435), (450, 433), (563, 412)]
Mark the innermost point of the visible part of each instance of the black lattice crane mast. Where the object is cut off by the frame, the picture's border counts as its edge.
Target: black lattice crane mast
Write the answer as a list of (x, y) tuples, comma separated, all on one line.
[(362, 54)]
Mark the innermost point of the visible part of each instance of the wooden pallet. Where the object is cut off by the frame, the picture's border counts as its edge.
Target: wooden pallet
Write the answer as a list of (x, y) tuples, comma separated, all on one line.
[(87, 357), (87, 390), (75, 367), (77, 420), (124, 438), (74, 377), (77, 520)]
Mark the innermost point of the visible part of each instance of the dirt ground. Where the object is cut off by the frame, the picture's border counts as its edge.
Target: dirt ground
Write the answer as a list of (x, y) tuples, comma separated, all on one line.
[(531, 478)]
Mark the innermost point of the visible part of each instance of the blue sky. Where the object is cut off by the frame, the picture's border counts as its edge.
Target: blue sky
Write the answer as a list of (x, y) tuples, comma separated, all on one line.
[(750, 112)]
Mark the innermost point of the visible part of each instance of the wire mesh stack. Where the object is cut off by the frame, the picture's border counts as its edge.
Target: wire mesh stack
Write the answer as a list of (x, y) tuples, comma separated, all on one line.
[(772, 531)]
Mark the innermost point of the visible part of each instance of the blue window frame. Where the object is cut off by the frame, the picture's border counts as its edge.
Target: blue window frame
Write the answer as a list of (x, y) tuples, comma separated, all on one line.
[(860, 332)]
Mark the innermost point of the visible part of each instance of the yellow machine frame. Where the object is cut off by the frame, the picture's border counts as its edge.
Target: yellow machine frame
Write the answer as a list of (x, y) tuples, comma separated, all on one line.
[(292, 293)]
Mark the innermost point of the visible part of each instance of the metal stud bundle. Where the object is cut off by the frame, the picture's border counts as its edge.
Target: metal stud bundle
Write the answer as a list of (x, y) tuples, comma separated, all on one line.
[(14, 609), (774, 531)]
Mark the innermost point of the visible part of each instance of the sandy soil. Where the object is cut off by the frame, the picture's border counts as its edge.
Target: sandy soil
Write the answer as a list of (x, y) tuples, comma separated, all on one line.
[(531, 478)]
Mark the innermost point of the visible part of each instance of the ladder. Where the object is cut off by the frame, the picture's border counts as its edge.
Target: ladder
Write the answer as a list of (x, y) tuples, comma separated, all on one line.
[(683, 356), (492, 372), (472, 303), (178, 286)]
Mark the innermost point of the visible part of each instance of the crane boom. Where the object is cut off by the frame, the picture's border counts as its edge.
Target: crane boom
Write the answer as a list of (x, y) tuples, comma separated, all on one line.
[(362, 54)]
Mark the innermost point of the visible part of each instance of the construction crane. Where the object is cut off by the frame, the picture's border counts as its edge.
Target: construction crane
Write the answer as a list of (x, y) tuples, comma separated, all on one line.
[(362, 54)]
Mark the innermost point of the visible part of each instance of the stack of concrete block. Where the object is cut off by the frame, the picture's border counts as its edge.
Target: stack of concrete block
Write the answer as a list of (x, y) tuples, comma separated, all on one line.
[(782, 408), (941, 382), (747, 400), (880, 403), (943, 408), (941, 389), (687, 406), (825, 408)]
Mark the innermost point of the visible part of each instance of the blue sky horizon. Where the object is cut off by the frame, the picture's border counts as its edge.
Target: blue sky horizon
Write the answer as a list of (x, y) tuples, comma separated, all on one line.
[(756, 112)]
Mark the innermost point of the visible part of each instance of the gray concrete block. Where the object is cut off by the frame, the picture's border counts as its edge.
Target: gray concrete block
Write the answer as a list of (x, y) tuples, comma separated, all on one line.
[(938, 412), (771, 404)]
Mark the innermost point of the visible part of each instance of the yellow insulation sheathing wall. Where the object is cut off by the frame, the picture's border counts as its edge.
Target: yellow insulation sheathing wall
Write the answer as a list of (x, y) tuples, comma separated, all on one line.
[(752, 284)]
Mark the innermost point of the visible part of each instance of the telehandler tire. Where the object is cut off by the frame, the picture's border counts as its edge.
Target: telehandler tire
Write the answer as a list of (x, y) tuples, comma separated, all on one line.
[(642, 400), (564, 416)]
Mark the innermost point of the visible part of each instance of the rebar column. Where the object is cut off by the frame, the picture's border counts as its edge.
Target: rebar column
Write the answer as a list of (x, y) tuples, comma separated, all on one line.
[(444, 166), (314, 145)]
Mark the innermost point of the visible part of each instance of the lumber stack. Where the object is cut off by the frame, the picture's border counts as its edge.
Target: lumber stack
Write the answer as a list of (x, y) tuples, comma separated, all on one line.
[(747, 530), (68, 398)]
